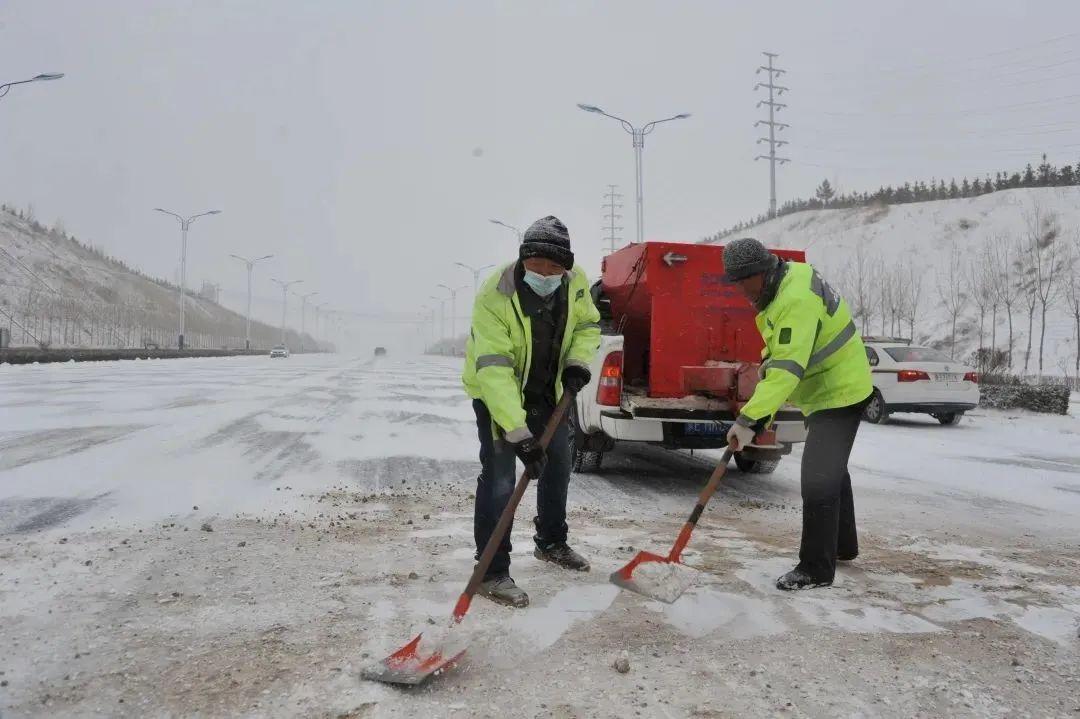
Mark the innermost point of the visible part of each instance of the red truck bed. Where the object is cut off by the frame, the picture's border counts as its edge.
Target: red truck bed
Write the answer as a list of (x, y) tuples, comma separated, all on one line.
[(680, 321)]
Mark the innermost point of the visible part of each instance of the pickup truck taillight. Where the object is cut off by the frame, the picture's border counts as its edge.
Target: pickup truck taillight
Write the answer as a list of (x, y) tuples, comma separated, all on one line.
[(911, 375), (609, 388), (972, 377)]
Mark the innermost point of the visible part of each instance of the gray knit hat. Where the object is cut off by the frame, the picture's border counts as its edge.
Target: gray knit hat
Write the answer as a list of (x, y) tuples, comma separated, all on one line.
[(746, 257), (549, 238)]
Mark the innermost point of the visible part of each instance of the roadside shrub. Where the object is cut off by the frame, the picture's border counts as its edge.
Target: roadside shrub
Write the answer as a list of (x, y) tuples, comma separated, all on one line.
[(1014, 394)]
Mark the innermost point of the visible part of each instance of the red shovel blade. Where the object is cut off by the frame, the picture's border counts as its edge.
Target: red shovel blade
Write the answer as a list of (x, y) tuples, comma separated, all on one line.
[(407, 666), (655, 577)]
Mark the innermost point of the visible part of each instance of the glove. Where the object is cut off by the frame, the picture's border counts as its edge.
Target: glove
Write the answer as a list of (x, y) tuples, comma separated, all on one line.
[(575, 377), (739, 436), (532, 455)]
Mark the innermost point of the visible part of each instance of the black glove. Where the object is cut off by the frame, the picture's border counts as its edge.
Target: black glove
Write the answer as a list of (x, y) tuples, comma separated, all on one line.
[(532, 455), (575, 377)]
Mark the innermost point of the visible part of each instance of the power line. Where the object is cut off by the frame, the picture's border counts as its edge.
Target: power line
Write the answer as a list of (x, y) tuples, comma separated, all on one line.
[(1064, 99), (939, 62)]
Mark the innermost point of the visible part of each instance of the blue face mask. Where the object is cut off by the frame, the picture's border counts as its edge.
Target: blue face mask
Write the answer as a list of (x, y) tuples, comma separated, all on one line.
[(541, 284)]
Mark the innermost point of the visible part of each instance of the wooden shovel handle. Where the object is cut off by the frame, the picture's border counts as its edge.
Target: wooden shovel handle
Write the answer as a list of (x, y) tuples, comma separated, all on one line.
[(507, 515), (703, 499)]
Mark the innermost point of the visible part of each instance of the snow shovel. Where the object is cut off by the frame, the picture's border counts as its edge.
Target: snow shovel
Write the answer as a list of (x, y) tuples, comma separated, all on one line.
[(666, 578), (413, 664)]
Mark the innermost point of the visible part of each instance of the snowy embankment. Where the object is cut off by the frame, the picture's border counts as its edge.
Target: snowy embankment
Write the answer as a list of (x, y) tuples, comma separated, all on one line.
[(242, 536), (923, 236)]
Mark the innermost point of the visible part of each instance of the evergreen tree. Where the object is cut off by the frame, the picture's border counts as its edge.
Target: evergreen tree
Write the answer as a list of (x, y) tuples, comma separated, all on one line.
[(1046, 173), (1066, 176), (824, 192), (1015, 180), (976, 187), (965, 188), (954, 191), (1029, 177)]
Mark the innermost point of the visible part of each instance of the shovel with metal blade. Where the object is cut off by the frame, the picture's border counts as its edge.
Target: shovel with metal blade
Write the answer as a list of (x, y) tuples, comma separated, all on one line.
[(416, 662), (666, 578)]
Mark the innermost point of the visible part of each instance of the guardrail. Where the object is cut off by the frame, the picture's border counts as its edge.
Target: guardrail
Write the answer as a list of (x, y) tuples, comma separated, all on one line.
[(30, 355)]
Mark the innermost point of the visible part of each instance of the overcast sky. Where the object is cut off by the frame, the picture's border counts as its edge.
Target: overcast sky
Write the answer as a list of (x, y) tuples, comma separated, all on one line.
[(366, 144)]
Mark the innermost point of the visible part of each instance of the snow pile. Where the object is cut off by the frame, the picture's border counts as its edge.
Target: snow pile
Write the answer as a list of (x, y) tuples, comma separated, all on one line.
[(923, 236), (663, 581)]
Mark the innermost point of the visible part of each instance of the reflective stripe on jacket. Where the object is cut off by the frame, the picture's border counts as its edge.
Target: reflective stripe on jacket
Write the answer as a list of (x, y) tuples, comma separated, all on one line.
[(497, 353), (813, 354)]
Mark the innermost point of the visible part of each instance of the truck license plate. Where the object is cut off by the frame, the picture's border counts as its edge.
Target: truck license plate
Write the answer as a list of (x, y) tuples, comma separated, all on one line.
[(706, 429)]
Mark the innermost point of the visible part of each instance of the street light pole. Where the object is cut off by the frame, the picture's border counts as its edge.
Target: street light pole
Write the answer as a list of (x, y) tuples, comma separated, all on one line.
[(6, 87), (318, 309), (442, 316), (284, 301), (303, 316), (475, 274), (185, 223), (509, 227), (453, 308), (638, 134), (250, 266)]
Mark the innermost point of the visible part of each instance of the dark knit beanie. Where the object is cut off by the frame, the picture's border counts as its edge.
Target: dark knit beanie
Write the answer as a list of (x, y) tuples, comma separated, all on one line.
[(548, 238)]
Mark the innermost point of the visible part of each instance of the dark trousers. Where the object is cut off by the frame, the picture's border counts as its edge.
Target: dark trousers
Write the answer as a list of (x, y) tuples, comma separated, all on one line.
[(498, 474), (828, 527)]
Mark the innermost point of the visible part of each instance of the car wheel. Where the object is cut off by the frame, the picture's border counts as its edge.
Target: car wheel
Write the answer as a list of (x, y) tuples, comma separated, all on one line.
[(756, 466), (875, 412), (949, 418), (583, 460)]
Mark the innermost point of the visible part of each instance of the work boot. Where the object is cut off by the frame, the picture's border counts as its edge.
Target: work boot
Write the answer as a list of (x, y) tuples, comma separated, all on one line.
[(503, 590), (561, 554), (799, 579)]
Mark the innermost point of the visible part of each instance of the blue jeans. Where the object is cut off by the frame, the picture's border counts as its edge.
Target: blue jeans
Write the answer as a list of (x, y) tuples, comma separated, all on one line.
[(498, 474)]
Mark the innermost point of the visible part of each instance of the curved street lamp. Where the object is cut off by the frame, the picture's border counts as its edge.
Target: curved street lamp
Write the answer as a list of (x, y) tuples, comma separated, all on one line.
[(250, 266), (509, 227), (638, 134), (6, 87), (185, 223)]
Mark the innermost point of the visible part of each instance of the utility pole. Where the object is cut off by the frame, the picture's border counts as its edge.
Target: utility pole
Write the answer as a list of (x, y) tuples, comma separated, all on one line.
[(442, 316), (775, 91), (453, 308), (250, 266), (612, 216), (303, 316), (284, 301), (185, 224)]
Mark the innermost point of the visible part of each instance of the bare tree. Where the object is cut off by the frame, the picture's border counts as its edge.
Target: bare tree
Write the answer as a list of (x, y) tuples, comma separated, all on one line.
[(1046, 263), (1072, 293), (1025, 274), (913, 286), (860, 276), (980, 289), (1005, 286), (951, 293)]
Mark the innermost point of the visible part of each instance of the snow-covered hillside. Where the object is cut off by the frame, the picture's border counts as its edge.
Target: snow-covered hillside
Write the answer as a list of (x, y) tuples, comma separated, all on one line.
[(54, 290), (923, 236)]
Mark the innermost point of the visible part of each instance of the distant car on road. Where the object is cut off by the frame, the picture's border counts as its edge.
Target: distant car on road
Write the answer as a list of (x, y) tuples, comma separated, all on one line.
[(922, 380), (279, 351), (380, 351)]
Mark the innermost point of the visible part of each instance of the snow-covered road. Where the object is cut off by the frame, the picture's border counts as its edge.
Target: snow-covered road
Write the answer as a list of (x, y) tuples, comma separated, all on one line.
[(337, 495)]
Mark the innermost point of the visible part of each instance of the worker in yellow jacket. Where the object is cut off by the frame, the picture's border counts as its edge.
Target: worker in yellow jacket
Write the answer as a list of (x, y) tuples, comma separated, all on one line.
[(815, 359), (535, 331)]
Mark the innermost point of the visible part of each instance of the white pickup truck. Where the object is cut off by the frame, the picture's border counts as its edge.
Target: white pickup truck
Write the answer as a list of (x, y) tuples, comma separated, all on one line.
[(606, 414)]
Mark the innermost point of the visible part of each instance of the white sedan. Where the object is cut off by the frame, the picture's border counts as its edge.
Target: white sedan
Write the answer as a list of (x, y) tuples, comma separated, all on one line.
[(279, 351), (922, 380)]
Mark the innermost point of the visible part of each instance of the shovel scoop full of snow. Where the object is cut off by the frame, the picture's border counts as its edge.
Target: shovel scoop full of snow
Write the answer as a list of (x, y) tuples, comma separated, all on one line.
[(666, 578), (416, 662), (656, 577)]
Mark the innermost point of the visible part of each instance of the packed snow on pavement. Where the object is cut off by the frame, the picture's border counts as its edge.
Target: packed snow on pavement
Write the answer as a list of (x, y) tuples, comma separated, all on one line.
[(243, 537)]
